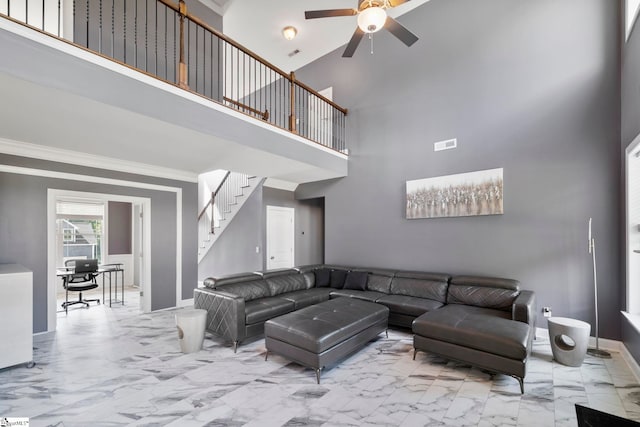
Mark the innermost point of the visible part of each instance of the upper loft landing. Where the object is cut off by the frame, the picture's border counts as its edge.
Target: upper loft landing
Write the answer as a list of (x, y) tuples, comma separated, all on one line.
[(191, 103)]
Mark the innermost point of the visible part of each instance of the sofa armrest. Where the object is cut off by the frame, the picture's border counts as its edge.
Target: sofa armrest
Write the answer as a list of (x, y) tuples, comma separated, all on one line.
[(524, 309), (225, 313)]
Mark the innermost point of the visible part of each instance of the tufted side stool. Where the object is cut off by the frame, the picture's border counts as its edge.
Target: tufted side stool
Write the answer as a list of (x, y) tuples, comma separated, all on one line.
[(569, 340)]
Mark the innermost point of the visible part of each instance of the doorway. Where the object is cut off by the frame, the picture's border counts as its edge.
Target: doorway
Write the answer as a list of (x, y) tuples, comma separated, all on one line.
[(280, 237), (92, 226)]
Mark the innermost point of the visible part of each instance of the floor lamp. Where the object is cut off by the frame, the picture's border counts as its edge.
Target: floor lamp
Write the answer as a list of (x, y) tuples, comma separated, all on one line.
[(592, 250)]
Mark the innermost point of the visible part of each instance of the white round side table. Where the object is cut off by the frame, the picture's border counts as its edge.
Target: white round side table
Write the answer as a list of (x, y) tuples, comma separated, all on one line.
[(571, 351), (191, 324)]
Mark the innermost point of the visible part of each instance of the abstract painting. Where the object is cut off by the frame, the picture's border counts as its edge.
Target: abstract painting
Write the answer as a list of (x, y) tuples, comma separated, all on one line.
[(464, 194)]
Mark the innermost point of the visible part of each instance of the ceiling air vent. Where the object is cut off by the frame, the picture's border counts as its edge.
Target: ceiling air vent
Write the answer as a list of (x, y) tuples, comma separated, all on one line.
[(445, 145), (294, 53)]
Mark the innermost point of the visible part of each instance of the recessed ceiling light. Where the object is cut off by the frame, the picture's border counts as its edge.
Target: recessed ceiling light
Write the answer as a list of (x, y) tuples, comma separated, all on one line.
[(289, 32)]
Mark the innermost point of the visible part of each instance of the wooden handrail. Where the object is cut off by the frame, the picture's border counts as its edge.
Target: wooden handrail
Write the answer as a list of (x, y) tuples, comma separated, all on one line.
[(254, 55), (263, 114), (213, 196)]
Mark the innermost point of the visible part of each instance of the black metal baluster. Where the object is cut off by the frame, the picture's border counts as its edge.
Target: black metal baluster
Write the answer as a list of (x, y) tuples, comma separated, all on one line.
[(124, 27), (166, 36), (135, 34), (59, 23), (113, 28), (146, 35), (26, 12), (42, 15), (88, 23), (99, 26), (155, 48)]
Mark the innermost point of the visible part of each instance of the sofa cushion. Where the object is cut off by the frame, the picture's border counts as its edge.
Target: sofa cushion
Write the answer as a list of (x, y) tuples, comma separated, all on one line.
[(356, 280), (410, 306), (487, 292), (284, 283), (337, 278), (263, 309), (422, 285), (307, 297), (250, 290), (483, 329), (214, 282), (380, 281), (323, 277), (501, 299), (353, 293)]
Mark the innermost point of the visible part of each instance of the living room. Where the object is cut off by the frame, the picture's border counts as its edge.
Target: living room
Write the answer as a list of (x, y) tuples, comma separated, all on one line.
[(544, 90)]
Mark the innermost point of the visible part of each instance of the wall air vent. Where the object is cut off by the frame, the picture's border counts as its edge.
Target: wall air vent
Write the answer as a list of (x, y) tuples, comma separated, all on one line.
[(445, 145)]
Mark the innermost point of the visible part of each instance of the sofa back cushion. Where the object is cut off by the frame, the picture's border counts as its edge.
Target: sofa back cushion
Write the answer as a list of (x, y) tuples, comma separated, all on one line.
[(214, 282), (283, 283), (249, 290), (422, 285), (486, 292), (378, 280)]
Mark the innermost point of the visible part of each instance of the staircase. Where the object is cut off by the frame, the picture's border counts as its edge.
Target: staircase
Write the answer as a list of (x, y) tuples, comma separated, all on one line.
[(225, 202)]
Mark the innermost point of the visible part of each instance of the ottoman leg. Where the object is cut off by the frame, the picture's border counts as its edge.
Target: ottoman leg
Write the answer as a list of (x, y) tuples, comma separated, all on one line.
[(318, 375), (235, 346), (415, 351), (266, 355)]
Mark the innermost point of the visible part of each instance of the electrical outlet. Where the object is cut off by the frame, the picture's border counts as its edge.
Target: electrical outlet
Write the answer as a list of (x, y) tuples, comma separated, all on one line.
[(546, 311)]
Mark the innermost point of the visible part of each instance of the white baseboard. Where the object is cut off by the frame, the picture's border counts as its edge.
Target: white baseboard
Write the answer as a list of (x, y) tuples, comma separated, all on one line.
[(603, 343), (186, 303), (631, 362)]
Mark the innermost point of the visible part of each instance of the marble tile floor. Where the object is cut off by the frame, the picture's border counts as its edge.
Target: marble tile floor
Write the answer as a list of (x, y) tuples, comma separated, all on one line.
[(117, 367)]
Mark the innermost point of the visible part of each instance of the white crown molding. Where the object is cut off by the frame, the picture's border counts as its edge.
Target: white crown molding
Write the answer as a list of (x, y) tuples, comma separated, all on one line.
[(280, 184), (36, 151)]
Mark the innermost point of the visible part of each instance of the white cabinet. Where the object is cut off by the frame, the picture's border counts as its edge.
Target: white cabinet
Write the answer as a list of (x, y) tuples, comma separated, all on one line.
[(16, 309)]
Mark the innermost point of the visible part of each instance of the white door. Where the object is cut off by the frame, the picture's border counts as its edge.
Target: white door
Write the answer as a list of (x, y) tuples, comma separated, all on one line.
[(280, 237)]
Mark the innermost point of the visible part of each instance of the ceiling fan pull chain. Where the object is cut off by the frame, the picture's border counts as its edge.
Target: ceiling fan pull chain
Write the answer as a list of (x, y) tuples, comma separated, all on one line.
[(371, 39)]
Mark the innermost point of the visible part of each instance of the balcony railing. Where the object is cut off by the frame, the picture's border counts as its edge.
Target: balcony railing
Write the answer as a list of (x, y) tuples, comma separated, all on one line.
[(162, 39)]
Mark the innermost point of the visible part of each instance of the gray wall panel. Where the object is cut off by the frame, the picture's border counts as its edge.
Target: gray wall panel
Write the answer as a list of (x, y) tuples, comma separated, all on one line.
[(23, 227), (532, 87), (120, 227)]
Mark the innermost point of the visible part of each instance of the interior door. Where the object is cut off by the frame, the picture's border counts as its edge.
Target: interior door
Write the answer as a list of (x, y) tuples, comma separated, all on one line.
[(280, 237)]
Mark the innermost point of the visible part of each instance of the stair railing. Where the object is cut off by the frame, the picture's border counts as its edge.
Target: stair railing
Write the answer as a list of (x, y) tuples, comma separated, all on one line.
[(164, 40), (220, 204)]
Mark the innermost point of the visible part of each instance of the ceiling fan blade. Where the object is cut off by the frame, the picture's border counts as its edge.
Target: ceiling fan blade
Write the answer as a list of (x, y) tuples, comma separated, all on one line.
[(353, 43), (395, 28), (329, 13), (395, 3)]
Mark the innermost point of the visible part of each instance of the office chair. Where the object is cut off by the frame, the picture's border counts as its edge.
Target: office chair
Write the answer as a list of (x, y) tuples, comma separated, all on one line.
[(78, 283)]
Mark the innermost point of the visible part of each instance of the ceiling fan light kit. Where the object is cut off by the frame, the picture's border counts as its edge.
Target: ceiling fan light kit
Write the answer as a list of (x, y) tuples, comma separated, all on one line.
[(289, 32), (372, 17)]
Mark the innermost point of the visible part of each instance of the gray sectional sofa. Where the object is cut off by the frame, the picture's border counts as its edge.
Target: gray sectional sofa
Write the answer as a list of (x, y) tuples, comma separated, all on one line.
[(483, 321)]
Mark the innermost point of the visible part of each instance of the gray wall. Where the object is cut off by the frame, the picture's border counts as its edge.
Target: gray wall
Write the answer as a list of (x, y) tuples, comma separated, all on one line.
[(23, 227), (235, 249), (531, 87), (119, 229), (630, 128)]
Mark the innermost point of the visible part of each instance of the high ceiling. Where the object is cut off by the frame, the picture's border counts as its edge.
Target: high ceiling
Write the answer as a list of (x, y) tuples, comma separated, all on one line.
[(258, 24)]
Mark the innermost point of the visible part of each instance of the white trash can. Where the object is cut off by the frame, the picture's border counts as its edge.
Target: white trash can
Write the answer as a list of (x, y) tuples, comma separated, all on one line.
[(191, 324)]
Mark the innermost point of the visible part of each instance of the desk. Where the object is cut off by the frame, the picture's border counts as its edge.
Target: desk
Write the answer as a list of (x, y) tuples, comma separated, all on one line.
[(103, 270)]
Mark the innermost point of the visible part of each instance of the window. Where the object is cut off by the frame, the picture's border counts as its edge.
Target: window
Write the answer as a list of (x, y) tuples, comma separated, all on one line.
[(630, 15), (69, 235)]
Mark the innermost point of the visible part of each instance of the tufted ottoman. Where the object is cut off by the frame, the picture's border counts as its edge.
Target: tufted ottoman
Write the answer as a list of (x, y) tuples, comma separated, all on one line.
[(324, 333)]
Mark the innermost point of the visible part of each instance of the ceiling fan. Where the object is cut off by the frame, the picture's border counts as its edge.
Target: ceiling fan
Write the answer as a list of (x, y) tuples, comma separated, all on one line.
[(372, 17)]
